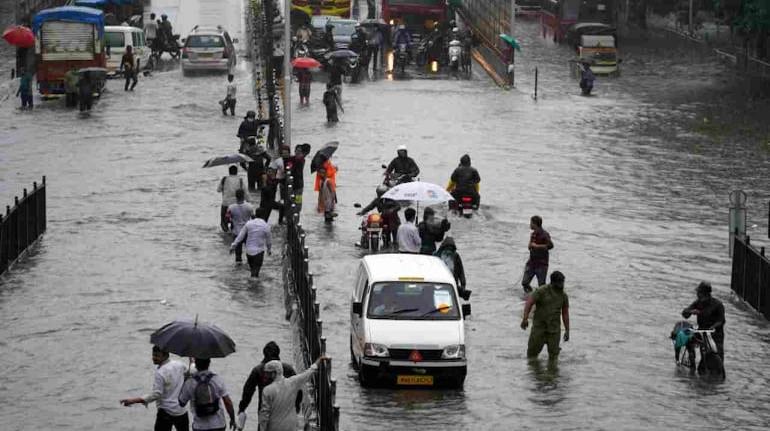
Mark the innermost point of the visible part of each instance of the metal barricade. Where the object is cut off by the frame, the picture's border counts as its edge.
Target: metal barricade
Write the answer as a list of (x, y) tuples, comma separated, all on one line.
[(751, 275), (22, 225)]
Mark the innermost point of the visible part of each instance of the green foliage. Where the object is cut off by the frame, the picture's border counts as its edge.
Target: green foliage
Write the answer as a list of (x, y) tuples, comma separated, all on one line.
[(755, 16)]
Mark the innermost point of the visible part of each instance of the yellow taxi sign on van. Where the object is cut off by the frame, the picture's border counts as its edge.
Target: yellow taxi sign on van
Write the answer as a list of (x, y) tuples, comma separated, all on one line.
[(411, 279)]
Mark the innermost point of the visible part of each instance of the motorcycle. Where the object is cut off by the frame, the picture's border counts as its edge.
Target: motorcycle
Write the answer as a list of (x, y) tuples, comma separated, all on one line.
[(374, 230), (455, 55), (301, 50), (393, 179), (710, 362), (164, 44), (464, 204), (402, 57)]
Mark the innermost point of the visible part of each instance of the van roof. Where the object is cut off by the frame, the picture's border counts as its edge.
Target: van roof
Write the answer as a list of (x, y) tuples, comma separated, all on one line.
[(412, 267), (122, 28)]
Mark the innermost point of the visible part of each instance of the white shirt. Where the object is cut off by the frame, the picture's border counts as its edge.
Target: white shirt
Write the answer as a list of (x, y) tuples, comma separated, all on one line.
[(150, 30), (167, 383), (240, 214), (408, 237), (227, 186), (257, 237)]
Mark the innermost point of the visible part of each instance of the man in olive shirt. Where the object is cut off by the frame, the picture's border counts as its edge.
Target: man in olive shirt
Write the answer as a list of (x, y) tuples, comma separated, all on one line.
[(552, 306)]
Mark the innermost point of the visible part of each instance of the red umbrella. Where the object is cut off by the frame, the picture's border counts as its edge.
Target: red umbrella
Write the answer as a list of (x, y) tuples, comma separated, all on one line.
[(20, 36), (305, 63)]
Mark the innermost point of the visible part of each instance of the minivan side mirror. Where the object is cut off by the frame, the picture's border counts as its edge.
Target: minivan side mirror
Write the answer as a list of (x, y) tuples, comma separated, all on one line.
[(466, 310), (384, 166), (358, 308)]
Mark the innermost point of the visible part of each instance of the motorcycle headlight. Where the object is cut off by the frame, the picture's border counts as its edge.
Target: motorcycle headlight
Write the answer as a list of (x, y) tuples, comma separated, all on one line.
[(376, 350), (455, 351)]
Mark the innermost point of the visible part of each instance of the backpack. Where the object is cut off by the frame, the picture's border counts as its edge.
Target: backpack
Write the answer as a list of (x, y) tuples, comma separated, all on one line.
[(206, 403)]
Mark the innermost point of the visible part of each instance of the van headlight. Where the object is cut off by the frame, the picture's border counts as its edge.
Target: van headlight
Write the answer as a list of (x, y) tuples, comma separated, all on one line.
[(455, 351), (376, 350)]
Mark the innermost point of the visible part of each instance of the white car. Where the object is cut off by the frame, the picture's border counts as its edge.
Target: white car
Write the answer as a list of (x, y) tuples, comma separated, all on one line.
[(117, 38), (208, 48), (406, 322)]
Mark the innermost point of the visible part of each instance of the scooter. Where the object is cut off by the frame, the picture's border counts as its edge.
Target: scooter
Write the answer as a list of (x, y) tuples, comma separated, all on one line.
[(464, 205), (302, 50), (455, 55), (374, 229), (402, 57)]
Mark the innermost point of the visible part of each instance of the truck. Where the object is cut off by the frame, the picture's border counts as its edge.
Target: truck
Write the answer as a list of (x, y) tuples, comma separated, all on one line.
[(310, 8), (417, 15), (67, 37)]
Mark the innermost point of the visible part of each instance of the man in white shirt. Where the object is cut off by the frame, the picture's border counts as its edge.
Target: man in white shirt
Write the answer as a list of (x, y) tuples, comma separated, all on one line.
[(151, 32), (256, 234), (227, 186), (208, 414), (239, 214), (408, 236), (167, 384)]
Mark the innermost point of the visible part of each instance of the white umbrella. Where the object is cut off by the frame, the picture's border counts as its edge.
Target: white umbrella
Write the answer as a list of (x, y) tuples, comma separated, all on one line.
[(418, 191)]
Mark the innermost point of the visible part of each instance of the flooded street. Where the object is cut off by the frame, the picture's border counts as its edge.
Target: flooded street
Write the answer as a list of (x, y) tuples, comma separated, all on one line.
[(633, 195)]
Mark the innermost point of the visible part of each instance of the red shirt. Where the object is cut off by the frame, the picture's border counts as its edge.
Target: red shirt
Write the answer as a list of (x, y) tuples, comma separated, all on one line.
[(539, 257)]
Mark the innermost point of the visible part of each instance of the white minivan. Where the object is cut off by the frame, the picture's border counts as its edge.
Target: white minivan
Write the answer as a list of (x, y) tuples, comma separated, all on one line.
[(117, 38), (406, 322)]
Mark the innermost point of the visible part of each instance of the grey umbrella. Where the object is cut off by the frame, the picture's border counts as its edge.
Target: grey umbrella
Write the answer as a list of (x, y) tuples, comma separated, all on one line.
[(193, 339), (228, 160)]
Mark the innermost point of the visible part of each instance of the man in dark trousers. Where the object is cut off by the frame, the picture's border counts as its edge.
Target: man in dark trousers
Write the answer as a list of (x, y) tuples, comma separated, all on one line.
[(258, 379), (539, 244), (552, 307), (711, 315), (331, 101)]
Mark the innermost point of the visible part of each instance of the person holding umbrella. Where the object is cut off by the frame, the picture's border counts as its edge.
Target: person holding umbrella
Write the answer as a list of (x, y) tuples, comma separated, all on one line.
[(208, 394), (167, 384)]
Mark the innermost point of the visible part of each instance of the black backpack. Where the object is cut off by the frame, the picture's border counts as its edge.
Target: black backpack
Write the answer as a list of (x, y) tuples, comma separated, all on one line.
[(206, 403)]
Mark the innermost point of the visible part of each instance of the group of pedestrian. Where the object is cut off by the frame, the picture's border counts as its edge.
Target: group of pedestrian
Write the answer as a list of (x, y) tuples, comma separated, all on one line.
[(176, 385)]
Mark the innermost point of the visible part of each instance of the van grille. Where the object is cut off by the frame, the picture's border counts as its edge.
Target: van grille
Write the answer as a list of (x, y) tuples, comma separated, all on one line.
[(403, 354)]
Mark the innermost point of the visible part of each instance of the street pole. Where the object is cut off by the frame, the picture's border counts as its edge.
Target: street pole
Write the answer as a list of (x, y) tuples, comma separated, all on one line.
[(689, 21), (513, 16), (513, 50), (287, 73)]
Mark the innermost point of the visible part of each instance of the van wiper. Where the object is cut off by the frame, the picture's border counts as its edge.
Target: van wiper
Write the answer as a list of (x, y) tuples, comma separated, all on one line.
[(403, 310), (442, 308)]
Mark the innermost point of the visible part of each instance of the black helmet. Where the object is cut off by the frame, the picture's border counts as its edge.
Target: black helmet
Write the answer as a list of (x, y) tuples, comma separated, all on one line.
[(704, 287), (251, 114)]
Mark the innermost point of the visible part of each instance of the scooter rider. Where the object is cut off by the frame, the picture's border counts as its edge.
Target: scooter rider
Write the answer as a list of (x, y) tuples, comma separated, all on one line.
[(402, 37), (250, 126), (403, 166), (388, 208), (465, 181)]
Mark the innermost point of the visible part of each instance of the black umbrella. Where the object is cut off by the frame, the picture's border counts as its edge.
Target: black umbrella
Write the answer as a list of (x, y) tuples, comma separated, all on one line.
[(193, 339), (323, 155), (341, 53)]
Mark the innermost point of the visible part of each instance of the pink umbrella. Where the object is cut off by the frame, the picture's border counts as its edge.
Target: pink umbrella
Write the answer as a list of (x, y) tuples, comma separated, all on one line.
[(19, 36), (305, 63)]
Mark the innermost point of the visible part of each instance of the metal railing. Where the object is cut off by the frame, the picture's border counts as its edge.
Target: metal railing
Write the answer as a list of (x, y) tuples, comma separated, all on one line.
[(751, 275), (22, 225), (300, 285)]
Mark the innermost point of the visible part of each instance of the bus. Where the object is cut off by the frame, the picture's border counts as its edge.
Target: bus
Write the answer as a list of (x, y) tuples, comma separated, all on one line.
[(338, 8), (415, 14), (557, 15), (528, 8)]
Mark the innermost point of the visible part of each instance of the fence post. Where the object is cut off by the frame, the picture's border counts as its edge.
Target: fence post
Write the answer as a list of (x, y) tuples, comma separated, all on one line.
[(3, 241), (535, 83)]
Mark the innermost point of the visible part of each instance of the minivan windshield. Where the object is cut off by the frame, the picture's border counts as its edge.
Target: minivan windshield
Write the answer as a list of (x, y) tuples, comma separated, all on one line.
[(202, 41), (412, 301)]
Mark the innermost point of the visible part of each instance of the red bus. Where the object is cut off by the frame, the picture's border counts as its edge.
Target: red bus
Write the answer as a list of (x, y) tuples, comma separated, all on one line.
[(414, 13), (557, 15)]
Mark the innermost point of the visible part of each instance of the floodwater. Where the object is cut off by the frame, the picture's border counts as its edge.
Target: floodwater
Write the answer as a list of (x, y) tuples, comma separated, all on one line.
[(632, 191)]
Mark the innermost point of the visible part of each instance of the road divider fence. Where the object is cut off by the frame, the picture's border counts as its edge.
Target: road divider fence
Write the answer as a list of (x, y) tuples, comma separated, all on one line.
[(751, 275), (22, 225)]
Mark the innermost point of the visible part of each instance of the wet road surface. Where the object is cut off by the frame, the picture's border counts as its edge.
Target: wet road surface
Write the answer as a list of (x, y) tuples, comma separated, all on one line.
[(635, 201), (633, 196)]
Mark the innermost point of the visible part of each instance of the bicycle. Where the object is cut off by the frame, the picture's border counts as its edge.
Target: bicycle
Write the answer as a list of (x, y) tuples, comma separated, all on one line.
[(710, 364)]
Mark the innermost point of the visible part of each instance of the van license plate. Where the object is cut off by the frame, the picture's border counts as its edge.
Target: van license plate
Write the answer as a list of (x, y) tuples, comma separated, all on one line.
[(415, 380)]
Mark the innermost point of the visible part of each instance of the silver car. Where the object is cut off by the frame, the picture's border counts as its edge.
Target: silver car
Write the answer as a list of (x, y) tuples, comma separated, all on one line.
[(208, 49)]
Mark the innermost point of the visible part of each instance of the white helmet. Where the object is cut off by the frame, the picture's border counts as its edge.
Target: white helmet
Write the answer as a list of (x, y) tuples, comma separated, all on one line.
[(401, 147)]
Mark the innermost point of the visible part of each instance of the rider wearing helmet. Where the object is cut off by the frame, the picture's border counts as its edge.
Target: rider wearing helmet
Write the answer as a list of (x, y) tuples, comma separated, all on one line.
[(165, 28), (711, 315), (403, 166), (329, 36), (358, 40), (465, 181), (402, 37), (388, 208)]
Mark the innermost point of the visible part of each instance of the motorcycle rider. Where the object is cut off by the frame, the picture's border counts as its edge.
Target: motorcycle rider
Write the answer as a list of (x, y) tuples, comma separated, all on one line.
[(388, 208), (402, 166), (465, 181), (402, 37), (250, 126), (329, 36), (304, 34), (166, 35), (151, 33), (711, 315)]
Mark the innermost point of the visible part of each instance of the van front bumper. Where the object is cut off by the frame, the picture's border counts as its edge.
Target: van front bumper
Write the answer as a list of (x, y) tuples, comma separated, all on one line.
[(444, 372)]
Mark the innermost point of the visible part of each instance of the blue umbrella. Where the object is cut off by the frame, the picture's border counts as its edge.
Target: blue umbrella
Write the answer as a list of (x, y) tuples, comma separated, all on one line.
[(91, 3), (193, 339)]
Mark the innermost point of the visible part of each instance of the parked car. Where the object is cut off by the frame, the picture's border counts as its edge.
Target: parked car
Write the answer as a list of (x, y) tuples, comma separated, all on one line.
[(117, 38), (406, 322), (208, 48)]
